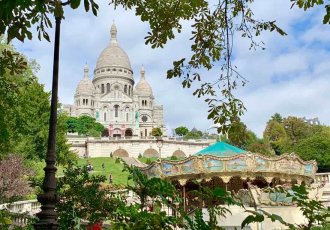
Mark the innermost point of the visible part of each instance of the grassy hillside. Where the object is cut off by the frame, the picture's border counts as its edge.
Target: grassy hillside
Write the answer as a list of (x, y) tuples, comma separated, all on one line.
[(118, 177)]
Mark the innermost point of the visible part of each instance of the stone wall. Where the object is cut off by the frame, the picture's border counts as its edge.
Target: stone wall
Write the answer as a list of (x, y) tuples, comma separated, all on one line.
[(103, 147)]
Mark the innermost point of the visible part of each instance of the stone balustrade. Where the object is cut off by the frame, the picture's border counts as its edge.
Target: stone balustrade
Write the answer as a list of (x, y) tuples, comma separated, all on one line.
[(323, 179), (135, 146), (25, 206)]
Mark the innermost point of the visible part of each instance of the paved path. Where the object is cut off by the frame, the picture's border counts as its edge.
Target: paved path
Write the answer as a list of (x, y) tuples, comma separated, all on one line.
[(133, 161)]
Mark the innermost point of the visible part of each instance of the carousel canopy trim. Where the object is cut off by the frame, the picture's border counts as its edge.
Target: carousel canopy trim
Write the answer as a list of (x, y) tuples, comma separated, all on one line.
[(248, 165), (221, 149)]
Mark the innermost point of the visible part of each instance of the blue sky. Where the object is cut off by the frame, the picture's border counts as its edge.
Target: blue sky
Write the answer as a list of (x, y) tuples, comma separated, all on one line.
[(290, 77)]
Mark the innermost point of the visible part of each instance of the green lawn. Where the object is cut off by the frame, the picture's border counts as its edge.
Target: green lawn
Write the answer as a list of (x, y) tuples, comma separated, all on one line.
[(118, 177), (145, 159)]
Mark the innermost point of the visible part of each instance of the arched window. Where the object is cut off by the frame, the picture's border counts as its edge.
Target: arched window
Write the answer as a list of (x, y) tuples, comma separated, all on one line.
[(105, 116), (129, 91), (142, 102), (125, 89), (116, 110), (108, 87), (86, 101), (146, 103), (102, 88), (83, 101)]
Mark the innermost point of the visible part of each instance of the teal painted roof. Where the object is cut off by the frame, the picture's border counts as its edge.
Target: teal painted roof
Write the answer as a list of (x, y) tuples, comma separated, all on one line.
[(220, 149)]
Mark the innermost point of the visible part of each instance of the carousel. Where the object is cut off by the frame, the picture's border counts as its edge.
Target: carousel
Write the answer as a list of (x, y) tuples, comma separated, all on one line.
[(243, 173)]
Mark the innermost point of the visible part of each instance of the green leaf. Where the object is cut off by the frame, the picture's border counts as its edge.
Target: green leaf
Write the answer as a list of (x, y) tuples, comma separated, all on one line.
[(86, 5), (257, 217), (74, 4), (5, 221)]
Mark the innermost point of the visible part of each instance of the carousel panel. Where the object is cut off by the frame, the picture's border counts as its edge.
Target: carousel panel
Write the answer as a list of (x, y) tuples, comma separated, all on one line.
[(153, 171), (170, 169), (189, 166), (260, 164), (211, 164), (238, 164), (285, 165), (309, 169)]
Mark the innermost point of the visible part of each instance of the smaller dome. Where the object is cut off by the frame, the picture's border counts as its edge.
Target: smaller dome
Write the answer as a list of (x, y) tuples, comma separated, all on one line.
[(143, 88), (179, 153), (85, 86), (150, 153), (120, 153)]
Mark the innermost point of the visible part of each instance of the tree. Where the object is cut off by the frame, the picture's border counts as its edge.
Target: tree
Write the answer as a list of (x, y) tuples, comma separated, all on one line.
[(30, 128), (240, 136), (71, 124), (277, 117), (84, 125), (25, 114), (63, 154), (296, 129), (156, 132), (275, 134), (315, 147), (14, 182), (87, 125), (260, 146), (194, 134), (310, 142), (181, 130), (151, 192), (83, 198)]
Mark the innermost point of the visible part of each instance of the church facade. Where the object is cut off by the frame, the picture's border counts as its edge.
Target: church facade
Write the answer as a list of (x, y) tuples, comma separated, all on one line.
[(111, 98)]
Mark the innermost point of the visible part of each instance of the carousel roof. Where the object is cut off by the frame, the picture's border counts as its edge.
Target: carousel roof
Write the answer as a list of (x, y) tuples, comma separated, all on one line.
[(221, 149)]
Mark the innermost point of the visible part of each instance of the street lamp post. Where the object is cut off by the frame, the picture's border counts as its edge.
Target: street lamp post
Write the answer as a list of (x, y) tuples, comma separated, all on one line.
[(159, 143), (47, 216)]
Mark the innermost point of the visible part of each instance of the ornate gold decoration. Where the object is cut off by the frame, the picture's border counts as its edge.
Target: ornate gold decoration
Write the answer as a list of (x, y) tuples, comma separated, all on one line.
[(182, 182), (248, 165)]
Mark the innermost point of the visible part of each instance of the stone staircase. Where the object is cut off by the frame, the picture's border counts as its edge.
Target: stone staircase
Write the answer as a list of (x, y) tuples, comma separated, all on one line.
[(133, 161)]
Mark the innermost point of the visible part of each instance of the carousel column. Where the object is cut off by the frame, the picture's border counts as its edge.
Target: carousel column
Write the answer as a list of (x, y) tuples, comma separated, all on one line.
[(201, 200), (184, 197), (183, 182), (268, 180), (226, 180)]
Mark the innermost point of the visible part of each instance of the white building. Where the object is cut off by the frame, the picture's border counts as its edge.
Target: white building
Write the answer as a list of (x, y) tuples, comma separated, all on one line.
[(111, 97)]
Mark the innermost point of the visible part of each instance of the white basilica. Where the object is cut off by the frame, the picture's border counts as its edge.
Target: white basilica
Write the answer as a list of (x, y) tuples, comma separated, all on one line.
[(111, 97)]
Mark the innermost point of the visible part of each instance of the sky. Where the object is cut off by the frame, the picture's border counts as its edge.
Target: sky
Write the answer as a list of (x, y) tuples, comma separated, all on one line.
[(290, 77)]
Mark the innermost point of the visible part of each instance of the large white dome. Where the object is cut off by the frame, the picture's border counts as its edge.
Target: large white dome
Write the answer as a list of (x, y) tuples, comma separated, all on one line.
[(113, 55)]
